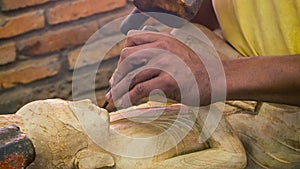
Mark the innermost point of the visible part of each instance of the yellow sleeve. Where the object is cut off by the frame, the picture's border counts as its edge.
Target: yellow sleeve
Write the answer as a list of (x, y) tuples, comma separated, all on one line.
[(261, 27)]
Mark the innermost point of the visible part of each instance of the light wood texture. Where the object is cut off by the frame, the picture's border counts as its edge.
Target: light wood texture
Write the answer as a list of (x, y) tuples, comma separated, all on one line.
[(61, 141), (271, 138)]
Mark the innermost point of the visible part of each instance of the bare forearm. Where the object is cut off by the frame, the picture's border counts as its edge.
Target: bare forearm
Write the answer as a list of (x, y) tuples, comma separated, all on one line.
[(206, 16), (269, 79)]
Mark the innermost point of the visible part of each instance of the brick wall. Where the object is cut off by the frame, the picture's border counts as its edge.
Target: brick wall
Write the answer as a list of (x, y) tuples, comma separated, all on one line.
[(40, 41)]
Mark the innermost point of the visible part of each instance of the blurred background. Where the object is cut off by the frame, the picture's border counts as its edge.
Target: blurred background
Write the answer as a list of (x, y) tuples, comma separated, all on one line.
[(40, 41)]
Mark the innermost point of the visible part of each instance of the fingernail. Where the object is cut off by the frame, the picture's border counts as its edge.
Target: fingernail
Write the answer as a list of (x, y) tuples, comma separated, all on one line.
[(108, 96)]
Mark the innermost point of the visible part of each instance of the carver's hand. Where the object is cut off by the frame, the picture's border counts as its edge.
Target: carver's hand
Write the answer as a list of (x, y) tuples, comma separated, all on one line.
[(152, 60)]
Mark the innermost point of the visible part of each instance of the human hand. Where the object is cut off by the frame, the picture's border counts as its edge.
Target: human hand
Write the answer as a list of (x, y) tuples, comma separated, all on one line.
[(152, 60)]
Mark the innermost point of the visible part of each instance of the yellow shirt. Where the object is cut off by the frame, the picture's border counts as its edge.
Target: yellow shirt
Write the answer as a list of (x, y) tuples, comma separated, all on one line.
[(261, 27)]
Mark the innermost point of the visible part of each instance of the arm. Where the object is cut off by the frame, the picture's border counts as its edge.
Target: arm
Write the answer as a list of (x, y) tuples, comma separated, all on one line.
[(206, 16), (269, 79)]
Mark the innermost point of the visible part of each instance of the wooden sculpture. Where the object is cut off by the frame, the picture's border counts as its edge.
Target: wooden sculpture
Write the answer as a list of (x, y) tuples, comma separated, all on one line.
[(272, 137), (61, 141)]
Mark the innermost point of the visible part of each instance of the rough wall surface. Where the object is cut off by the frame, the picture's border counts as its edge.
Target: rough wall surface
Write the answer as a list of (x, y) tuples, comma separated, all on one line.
[(40, 41)]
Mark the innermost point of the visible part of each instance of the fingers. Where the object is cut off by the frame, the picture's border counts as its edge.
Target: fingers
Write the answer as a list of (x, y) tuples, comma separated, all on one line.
[(129, 51), (144, 75), (138, 37), (162, 81), (131, 80), (139, 91), (139, 50), (134, 62)]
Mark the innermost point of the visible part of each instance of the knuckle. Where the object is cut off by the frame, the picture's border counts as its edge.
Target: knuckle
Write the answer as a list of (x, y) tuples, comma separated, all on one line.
[(131, 77), (124, 53), (162, 44), (132, 32), (139, 89), (169, 85), (128, 41), (169, 82)]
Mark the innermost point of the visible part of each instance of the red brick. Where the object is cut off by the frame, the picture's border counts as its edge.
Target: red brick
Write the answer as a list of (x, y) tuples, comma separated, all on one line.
[(81, 87), (114, 20), (12, 26), (7, 53), (93, 52), (106, 36), (73, 10), (29, 71), (56, 40), (15, 4)]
